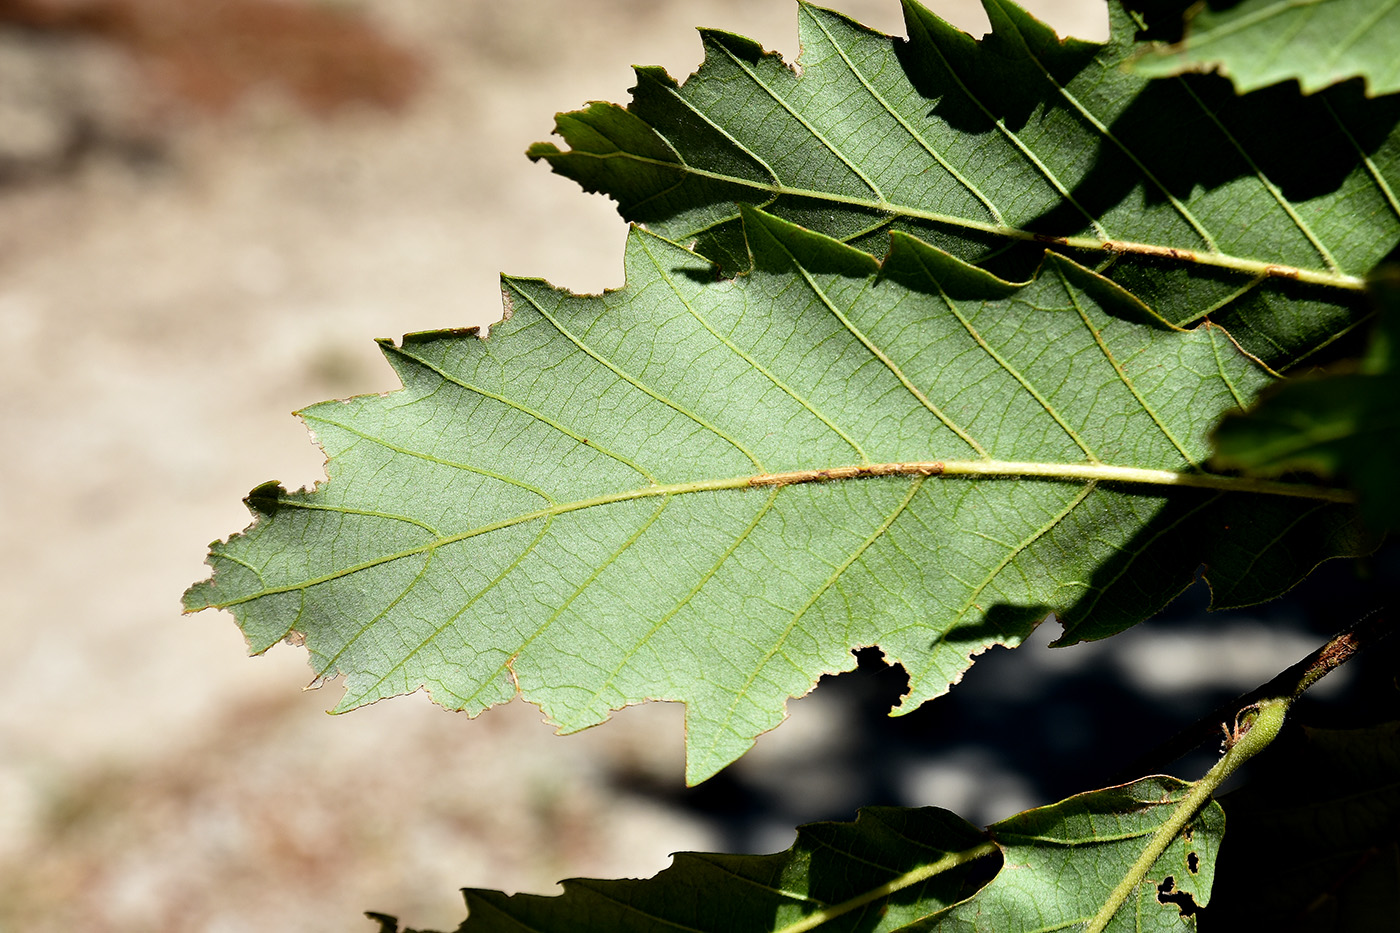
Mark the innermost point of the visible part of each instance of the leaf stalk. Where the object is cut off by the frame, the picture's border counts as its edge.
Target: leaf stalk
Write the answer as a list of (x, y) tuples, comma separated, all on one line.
[(1256, 725), (1292, 682), (1325, 277)]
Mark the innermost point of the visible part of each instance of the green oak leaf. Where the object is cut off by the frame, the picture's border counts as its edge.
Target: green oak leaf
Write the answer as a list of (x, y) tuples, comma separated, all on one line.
[(1262, 212), (909, 870), (1333, 424), (1331, 799), (1318, 43), (712, 491)]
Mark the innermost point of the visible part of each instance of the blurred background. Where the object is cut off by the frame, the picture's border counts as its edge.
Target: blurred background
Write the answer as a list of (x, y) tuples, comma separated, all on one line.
[(207, 213)]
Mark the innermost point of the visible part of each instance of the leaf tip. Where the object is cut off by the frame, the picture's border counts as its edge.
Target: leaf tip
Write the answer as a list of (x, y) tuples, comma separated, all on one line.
[(387, 922), (749, 50), (656, 73), (195, 598), (265, 498), (507, 307), (542, 150)]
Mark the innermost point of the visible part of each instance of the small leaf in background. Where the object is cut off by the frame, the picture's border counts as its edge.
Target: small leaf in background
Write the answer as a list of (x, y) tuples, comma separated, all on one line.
[(897, 869), (1328, 801), (711, 492), (1343, 424), (1263, 212), (890, 867), (1256, 43), (1061, 862)]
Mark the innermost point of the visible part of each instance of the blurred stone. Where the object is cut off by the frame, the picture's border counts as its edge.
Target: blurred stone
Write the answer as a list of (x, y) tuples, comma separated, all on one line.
[(210, 54), (62, 96)]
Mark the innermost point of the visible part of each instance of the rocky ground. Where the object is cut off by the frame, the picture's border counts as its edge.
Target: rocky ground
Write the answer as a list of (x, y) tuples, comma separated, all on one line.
[(179, 272)]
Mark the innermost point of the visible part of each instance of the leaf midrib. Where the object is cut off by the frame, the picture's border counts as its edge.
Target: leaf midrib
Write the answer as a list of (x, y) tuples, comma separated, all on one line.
[(1256, 267), (952, 469)]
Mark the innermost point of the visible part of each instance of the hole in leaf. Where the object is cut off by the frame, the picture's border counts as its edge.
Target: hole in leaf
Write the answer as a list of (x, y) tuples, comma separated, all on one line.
[(1193, 862), (1168, 894)]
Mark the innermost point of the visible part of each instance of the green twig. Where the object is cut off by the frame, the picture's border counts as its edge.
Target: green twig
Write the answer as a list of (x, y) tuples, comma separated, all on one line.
[(1367, 631), (1256, 719), (1255, 728)]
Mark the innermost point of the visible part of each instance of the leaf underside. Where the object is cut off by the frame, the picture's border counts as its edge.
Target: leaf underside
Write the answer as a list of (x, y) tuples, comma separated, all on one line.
[(1195, 199), (710, 492), (1333, 424), (908, 870), (1318, 43)]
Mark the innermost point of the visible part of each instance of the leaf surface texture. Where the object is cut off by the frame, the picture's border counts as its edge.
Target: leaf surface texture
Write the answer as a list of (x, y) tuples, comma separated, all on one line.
[(710, 492), (1261, 211), (906, 870), (1314, 42), (1333, 423)]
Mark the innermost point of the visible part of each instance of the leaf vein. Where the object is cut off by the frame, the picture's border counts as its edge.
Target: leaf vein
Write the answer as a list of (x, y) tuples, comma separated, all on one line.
[(485, 681), (705, 118), (1123, 376), (368, 513), (694, 591), (1087, 610), (816, 594), (792, 111), (759, 367), (634, 382), (1021, 548), (1099, 243), (1364, 26), (329, 665), (598, 892), (1376, 177), (1264, 180), (888, 363), (914, 134), (1026, 152), (969, 469), (525, 410), (591, 578), (1107, 134), (710, 859), (408, 452), (1005, 365)]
